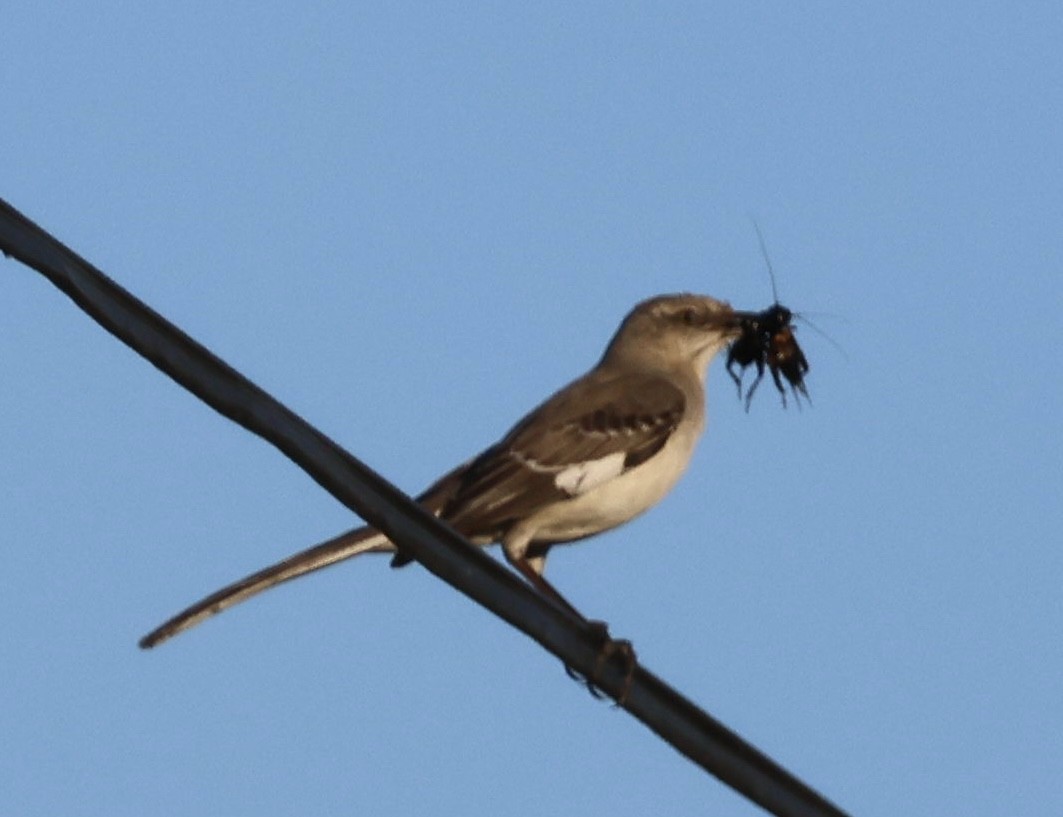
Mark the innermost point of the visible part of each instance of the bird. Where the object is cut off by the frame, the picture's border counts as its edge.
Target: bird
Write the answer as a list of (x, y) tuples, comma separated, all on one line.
[(594, 455)]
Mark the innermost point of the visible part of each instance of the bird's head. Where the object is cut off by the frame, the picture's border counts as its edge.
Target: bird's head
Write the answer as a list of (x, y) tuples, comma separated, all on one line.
[(680, 329)]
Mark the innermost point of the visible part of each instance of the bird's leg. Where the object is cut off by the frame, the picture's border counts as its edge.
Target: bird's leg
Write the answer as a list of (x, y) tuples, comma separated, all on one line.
[(609, 648), (536, 579)]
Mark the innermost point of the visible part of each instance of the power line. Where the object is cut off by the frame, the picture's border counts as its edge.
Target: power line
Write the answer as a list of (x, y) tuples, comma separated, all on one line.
[(435, 545)]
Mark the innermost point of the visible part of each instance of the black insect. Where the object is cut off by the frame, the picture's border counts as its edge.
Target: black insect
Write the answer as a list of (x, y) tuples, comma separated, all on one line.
[(767, 340)]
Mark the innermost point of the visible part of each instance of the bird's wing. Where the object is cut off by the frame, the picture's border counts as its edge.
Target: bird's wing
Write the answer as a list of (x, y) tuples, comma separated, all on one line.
[(580, 438)]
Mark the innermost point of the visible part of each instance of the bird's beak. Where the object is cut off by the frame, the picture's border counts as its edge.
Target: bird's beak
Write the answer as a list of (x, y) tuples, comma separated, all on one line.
[(738, 321), (742, 317)]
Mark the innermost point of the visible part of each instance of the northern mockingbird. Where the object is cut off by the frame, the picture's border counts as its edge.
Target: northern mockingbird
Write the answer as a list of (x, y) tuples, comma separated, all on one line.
[(596, 454)]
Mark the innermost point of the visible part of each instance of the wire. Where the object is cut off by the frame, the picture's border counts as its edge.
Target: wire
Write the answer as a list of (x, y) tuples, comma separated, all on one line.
[(437, 546)]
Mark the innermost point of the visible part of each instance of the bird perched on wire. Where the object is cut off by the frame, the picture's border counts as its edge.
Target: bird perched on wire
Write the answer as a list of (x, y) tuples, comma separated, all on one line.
[(593, 456)]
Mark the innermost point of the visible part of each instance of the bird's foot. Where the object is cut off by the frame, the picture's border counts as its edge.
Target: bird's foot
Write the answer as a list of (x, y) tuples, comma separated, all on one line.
[(610, 649)]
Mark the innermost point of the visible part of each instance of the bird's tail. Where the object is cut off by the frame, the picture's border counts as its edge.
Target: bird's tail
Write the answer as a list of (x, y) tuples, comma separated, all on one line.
[(344, 546)]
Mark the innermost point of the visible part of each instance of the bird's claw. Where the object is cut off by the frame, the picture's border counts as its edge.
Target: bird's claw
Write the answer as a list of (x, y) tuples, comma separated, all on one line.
[(610, 649)]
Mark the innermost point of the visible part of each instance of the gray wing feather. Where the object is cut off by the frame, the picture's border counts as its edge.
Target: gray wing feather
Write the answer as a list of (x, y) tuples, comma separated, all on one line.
[(630, 413)]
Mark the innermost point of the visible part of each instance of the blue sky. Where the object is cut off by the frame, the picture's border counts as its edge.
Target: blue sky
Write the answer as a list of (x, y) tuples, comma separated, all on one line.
[(410, 225)]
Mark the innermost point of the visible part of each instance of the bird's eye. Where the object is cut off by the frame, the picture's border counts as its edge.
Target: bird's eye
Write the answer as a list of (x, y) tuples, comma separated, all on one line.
[(689, 316)]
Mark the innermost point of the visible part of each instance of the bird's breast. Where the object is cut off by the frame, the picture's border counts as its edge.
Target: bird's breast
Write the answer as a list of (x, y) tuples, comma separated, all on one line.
[(618, 499)]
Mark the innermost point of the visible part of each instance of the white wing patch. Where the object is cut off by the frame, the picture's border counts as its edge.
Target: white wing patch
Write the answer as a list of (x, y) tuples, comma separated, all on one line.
[(583, 476)]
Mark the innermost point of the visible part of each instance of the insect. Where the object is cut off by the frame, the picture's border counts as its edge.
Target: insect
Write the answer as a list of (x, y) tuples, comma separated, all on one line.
[(767, 340)]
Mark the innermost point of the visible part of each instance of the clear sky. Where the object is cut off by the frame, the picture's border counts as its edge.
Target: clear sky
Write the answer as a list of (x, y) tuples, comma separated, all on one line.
[(412, 224)]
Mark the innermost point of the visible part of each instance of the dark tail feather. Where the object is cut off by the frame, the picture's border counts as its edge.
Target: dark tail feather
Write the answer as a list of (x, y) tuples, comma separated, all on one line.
[(344, 546)]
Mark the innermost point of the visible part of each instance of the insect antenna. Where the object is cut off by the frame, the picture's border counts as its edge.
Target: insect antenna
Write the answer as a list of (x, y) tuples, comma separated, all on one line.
[(767, 259), (801, 316)]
